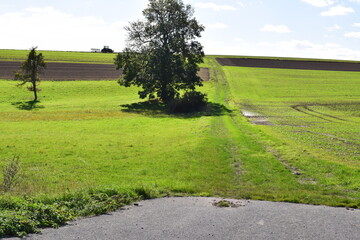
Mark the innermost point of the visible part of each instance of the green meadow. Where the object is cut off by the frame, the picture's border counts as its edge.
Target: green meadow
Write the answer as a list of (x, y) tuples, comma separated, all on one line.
[(97, 135), (59, 56), (83, 134), (313, 119), (319, 109)]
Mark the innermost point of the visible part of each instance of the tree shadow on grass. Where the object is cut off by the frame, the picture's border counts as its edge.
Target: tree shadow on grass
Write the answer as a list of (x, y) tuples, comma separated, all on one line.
[(158, 109), (27, 105)]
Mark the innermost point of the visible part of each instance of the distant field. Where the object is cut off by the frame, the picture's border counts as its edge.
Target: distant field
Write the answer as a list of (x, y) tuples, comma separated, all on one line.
[(88, 57), (285, 58), (85, 134), (63, 71), (58, 56), (290, 64)]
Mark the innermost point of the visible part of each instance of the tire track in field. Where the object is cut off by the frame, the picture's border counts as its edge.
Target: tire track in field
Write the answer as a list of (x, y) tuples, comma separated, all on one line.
[(305, 108)]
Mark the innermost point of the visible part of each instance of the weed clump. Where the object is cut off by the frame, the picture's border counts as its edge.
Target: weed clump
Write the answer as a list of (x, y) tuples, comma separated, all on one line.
[(11, 174), (20, 216)]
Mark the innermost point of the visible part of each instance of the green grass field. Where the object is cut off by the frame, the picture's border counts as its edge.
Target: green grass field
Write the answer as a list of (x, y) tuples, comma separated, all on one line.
[(97, 135), (58, 56), (79, 136), (302, 152), (319, 109), (89, 57), (315, 117)]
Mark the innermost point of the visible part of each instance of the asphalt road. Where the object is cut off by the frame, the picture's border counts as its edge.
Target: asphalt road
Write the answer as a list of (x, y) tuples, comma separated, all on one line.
[(197, 218)]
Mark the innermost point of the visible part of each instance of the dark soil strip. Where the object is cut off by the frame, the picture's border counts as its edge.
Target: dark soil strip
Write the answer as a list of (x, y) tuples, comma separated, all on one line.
[(66, 71), (75, 71), (290, 64)]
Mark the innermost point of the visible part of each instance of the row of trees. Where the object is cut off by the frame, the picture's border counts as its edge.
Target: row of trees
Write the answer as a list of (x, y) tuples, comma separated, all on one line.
[(161, 54)]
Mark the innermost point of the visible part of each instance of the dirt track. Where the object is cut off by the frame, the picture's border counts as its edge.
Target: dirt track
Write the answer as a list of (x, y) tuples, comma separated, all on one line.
[(290, 64), (75, 71)]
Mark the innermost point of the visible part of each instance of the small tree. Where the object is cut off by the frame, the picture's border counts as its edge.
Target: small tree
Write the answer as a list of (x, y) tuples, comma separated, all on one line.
[(162, 55), (30, 70)]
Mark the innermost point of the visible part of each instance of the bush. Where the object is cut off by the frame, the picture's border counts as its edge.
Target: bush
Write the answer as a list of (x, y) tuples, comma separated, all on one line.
[(190, 102)]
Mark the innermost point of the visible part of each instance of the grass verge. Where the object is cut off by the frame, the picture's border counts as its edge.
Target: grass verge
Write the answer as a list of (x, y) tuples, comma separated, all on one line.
[(20, 216)]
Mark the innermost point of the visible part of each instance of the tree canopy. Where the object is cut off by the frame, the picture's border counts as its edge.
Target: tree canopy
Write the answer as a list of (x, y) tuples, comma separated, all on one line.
[(30, 70), (162, 54)]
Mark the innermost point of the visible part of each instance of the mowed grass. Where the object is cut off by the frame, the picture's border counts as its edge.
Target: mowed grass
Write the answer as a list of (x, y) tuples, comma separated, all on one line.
[(78, 136), (321, 109), (92, 135), (59, 56), (315, 131)]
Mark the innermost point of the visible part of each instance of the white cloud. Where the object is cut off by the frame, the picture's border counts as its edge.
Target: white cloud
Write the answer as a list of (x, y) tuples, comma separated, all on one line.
[(356, 25), (216, 26), (337, 11), (319, 3), (357, 1), (292, 48), (307, 49), (352, 35), (334, 28), (215, 6), (240, 3), (275, 28), (51, 29)]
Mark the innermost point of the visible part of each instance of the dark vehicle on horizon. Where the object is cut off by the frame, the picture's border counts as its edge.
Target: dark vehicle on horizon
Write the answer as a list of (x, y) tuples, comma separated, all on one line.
[(106, 49)]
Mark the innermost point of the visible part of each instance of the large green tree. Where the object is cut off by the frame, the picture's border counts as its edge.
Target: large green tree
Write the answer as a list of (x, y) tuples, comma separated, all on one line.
[(162, 54), (30, 70)]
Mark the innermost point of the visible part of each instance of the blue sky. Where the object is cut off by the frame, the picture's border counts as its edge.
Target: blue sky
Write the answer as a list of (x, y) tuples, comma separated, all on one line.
[(288, 28)]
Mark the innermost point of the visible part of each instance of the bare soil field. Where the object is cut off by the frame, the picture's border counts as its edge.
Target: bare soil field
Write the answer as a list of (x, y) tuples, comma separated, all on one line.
[(75, 71), (290, 64), (66, 71)]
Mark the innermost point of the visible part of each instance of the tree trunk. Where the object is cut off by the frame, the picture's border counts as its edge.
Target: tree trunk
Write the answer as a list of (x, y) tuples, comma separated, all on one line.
[(35, 91)]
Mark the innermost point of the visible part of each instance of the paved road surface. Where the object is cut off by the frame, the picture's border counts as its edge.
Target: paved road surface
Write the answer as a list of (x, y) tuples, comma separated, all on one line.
[(197, 218)]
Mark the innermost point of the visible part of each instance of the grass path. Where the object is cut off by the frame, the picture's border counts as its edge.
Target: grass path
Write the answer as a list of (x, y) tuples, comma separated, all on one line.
[(269, 165)]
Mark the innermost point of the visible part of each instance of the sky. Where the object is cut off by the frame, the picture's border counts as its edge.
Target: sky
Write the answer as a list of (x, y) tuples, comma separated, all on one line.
[(328, 29)]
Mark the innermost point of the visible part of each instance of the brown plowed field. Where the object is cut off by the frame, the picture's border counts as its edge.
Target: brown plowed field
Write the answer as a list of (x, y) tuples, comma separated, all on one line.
[(66, 71), (74, 71), (290, 64)]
